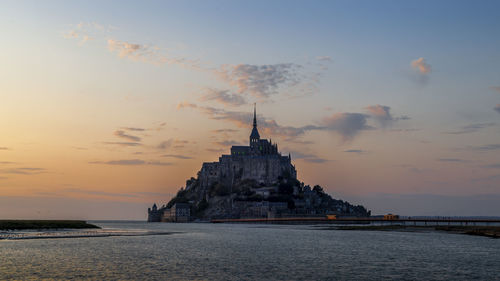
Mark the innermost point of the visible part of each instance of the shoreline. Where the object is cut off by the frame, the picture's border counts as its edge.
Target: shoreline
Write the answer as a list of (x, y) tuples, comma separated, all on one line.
[(45, 224)]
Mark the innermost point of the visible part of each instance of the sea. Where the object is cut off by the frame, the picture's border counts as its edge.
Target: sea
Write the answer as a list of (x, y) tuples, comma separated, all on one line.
[(203, 251)]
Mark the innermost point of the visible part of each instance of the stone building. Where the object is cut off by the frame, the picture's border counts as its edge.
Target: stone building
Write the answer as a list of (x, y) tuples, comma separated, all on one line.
[(154, 215), (260, 161), (179, 212)]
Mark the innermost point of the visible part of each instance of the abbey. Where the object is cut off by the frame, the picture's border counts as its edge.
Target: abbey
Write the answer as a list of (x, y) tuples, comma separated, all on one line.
[(260, 161), (252, 181)]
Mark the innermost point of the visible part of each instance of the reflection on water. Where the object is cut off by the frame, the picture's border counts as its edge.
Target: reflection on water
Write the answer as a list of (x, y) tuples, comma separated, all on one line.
[(129, 250)]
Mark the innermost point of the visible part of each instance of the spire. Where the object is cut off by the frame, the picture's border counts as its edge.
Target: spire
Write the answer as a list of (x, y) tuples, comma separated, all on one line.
[(255, 115), (254, 136)]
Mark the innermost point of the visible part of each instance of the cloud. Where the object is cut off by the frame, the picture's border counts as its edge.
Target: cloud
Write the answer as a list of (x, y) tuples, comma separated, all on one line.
[(421, 71), (223, 131), (496, 89), (382, 114), (177, 141), (486, 147), (260, 80), (120, 162), (122, 134), (79, 148), (71, 34), (227, 143), (497, 108), (4, 148), (302, 142), (124, 49), (165, 144), (223, 97), (134, 51), (456, 160), (324, 58), (471, 128), (148, 54), (348, 125), (23, 171), (6, 162), (493, 166), (186, 104), (421, 66), (122, 143), (86, 38), (133, 129), (83, 31), (311, 158), (357, 151), (316, 160), (244, 120), (216, 150), (100, 193), (406, 130), (414, 169), (131, 162), (158, 163), (177, 156)]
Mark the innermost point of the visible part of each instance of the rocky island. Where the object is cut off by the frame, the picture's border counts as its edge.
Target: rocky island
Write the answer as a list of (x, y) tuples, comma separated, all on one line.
[(254, 181)]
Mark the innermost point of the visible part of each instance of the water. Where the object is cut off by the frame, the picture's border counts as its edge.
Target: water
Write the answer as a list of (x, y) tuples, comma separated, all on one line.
[(248, 252)]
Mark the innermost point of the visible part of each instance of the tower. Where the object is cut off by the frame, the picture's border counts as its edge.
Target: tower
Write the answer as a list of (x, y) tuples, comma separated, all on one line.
[(254, 136)]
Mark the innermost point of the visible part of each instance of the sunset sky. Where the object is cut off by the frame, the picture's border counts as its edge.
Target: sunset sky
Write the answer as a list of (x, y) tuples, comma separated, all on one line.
[(108, 107)]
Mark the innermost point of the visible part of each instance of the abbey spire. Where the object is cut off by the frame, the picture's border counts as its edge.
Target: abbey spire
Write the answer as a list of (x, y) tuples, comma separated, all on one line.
[(255, 115), (254, 136)]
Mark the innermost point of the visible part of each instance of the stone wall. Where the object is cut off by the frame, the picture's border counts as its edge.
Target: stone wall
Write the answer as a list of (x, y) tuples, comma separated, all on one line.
[(264, 169)]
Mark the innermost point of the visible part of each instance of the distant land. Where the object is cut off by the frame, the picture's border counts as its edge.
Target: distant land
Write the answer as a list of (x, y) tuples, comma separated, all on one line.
[(44, 224)]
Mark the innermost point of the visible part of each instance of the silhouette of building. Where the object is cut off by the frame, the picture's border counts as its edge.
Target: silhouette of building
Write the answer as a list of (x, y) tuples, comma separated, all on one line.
[(260, 161)]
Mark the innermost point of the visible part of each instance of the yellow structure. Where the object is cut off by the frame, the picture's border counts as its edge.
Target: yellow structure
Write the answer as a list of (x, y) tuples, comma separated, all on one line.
[(331, 217), (391, 217)]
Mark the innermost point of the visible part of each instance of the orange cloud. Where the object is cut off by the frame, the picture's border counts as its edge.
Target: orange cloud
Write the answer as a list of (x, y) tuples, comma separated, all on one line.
[(421, 65)]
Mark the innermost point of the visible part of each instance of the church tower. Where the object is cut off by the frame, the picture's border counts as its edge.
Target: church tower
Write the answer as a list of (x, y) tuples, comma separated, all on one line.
[(254, 136)]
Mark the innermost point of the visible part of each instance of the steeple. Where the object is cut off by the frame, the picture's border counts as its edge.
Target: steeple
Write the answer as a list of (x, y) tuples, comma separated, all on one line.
[(255, 115), (254, 136)]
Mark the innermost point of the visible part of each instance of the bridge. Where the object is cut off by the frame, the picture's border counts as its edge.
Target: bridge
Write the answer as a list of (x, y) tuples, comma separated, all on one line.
[(367, 220)]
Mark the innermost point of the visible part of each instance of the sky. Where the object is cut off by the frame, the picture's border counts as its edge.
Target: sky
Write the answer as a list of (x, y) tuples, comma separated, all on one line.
[(107, 107)]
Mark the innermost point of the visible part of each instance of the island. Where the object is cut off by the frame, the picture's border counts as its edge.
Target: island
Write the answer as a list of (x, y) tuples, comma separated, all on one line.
[(254, 181)]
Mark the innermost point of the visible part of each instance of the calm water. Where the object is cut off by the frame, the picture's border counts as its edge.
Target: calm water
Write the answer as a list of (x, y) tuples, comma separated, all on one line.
[(250, 252)]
